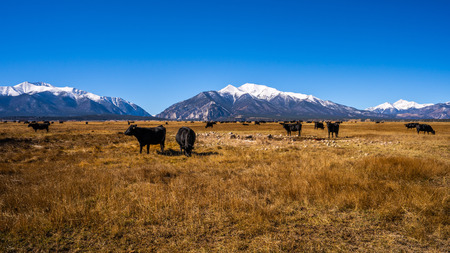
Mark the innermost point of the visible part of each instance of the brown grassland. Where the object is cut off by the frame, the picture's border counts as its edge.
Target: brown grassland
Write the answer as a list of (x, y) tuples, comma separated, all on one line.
[(378, 187)]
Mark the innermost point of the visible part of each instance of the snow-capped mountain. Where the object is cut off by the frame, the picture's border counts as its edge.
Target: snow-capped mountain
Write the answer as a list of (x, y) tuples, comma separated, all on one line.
[(410, 109), (253, 100), (43, 99), (400, 105)]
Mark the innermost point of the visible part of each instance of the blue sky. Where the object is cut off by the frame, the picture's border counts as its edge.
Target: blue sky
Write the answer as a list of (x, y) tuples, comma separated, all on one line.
[(157, 53)]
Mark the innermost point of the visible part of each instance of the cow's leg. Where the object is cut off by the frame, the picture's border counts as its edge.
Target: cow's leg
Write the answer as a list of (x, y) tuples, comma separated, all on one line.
[(181, 149), (148, 148), (140, 150), (162, 147)]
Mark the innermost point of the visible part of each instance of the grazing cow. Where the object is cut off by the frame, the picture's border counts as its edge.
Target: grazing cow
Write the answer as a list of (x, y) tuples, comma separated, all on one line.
[(257, 123), (318, 125), (292, 128), (61, 122), (333, 128), (47, 122), (147, 136), (411, 125), (425, 128), (210, 124), (185, 138), (130, 122), (38, 126)]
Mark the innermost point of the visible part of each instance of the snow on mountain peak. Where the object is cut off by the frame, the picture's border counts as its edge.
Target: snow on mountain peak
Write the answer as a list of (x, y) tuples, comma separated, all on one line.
[(38, 87), (383, 106), (404, 105), (263, 92), (259, 91), (399, 105)]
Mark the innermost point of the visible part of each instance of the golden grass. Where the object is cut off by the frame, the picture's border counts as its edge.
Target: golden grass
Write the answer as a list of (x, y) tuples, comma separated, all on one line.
[(379, 187)]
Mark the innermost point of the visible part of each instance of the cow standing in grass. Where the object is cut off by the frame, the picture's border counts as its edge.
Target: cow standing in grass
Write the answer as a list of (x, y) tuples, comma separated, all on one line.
[(292, 128), (333, 128), (148, 136), (39, 126), (185, 138), (318, 125), (411, 125), (210, 124), (425, 128)]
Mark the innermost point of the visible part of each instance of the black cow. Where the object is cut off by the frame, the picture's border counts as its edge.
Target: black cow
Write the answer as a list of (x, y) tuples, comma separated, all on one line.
[(38, 126), (333, 128), (318, 125), (210, 124), (147, 136), (130, 122), (411, 125), (292, 128), (185, 138), (424, 128)]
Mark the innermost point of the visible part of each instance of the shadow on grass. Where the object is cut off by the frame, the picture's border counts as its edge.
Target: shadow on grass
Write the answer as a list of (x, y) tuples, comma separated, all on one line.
[(171, 152), (14, 141)]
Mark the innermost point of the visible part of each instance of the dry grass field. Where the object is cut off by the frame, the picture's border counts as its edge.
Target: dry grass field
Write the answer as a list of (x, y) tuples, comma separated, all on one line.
[(376, 188)]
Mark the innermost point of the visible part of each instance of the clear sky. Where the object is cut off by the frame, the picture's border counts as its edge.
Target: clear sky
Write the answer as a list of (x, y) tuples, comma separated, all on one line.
[(157, 53)]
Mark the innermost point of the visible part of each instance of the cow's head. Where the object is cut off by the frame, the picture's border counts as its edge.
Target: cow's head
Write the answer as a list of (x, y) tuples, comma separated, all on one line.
[(188, 150), (131, 130)]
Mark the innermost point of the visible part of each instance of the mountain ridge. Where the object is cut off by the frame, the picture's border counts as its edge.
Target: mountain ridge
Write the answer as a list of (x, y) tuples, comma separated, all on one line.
[(254, 100), (43, 99), (259, 101)]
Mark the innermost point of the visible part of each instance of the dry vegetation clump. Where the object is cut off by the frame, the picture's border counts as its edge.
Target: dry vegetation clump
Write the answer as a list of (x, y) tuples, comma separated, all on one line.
[(379, 187)]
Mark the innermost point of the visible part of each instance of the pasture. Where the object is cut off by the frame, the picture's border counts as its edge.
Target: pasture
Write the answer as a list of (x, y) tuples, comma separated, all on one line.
[(85, 187)]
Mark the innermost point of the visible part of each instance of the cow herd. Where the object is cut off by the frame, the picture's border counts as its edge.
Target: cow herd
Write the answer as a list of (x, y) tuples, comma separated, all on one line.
[(185, 136), (157, 135), (420, 128)]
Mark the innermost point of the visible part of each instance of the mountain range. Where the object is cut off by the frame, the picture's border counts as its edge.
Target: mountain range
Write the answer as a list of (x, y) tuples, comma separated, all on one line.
[(408, 109), (43, 99), (259, 101), (249, 101)]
